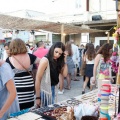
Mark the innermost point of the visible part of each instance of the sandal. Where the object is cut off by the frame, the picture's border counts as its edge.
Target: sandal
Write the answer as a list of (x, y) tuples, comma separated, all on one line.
[(76, 80), (68, 88), (83, 92)]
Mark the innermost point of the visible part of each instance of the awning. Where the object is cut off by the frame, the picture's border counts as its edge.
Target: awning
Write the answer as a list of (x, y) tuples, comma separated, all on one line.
[(17, 23)]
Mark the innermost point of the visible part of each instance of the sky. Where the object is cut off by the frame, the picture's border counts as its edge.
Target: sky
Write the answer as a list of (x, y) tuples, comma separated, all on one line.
[(46, 6)]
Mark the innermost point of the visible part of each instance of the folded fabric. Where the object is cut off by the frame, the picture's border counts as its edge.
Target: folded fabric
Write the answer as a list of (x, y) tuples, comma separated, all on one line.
[(84, 109)]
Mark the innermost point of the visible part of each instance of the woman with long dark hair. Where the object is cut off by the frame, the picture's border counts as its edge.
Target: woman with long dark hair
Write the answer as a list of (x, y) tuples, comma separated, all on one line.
[(89, 59), (48, 73), (102, 64)]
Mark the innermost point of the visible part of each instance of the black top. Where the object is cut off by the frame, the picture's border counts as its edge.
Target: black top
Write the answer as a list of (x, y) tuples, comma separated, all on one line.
[(84, 51), (24, 84), (54, 73)]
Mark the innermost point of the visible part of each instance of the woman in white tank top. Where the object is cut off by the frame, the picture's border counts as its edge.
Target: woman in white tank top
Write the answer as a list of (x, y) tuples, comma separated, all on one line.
[(89, 59)]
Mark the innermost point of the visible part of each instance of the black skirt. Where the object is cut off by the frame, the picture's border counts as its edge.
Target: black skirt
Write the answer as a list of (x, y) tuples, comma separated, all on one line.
[(89, 70)]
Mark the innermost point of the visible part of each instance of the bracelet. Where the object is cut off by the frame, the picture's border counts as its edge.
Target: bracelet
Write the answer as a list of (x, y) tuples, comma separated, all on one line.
[(106, 90), (107, 115), (65, 62), (38, 98)]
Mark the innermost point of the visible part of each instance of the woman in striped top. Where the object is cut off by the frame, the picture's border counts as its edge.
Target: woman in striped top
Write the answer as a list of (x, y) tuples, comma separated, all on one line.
[(19, 60)]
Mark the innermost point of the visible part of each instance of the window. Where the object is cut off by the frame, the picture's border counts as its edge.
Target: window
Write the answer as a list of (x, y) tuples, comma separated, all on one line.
[(78, 4), (105, 41)]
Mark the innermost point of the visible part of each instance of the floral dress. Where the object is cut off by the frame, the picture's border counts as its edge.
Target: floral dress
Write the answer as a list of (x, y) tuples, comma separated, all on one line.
[(104, 71)]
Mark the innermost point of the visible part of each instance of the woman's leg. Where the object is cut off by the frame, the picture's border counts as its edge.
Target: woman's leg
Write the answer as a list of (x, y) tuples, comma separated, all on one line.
[(85, 83), (61, 82), (91, 87), (68, 78)]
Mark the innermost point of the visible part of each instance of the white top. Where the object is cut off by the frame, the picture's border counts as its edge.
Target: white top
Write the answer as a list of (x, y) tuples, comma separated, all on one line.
[(75, 55), (90, 61)]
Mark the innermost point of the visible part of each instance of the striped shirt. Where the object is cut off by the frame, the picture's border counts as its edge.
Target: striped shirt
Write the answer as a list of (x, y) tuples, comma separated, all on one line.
[(24, 84)]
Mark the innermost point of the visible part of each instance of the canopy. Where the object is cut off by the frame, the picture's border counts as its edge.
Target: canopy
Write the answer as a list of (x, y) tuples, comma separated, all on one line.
[(11, 22)]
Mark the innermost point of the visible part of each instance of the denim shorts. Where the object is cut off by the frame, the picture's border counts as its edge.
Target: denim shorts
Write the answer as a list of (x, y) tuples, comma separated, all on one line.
[(53, 96)]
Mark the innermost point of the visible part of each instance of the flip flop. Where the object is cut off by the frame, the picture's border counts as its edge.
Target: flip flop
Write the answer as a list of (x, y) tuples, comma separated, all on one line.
[(76, 80), (68, 88)]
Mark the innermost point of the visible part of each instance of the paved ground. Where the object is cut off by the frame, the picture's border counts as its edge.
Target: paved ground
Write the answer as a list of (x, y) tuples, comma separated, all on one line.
[(76, 90)]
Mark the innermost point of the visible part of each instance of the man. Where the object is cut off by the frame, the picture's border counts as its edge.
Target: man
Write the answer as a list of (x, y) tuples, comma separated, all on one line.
[(41, 51), (75, 58), (28, 48)]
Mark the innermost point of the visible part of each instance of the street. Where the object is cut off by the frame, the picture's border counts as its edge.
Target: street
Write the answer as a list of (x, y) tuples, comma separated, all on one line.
[(76, 90)]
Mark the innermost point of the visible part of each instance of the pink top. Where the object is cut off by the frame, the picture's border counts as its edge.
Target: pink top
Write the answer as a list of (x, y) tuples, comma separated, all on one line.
[(41, 52)]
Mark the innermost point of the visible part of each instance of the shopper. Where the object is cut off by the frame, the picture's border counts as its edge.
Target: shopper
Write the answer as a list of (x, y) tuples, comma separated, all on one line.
[(89, 60), (48, 73), (22, 63), (102, 66), (8, 99)]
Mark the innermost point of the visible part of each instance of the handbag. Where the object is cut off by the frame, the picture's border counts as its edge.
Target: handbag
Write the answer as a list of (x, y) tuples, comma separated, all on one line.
[(82, 70), (24, 67)]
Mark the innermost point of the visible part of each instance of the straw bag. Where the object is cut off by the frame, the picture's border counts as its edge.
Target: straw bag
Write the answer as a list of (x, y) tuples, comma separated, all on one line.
[(82, 70)]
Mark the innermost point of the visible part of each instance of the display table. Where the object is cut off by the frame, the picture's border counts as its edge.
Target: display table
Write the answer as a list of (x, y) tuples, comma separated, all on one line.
[(88, 98)]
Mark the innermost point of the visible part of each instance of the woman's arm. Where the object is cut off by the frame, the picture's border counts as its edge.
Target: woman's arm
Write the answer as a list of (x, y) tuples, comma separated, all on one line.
[(64, 70), (41, 68), (12, 95), (97, 59)]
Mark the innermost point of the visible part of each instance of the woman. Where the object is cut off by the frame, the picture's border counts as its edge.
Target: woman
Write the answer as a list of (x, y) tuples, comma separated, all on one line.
[(22, 63), (70, 64), (89, 60), (102, 64), (48, 73), (6, 51), (8, 100)]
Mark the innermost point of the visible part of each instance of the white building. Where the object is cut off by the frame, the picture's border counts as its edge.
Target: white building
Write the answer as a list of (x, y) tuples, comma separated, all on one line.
[(74, 11)]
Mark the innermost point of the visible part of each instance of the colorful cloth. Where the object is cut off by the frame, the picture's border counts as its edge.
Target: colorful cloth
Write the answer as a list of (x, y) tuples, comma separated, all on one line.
[(104, 71)]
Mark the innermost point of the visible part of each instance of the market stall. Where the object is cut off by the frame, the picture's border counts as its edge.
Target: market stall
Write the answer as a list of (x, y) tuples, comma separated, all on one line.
[(73, 108)]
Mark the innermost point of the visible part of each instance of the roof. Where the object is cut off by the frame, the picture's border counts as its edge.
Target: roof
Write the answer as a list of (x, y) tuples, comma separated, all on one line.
[(112, 21), (11, 22)]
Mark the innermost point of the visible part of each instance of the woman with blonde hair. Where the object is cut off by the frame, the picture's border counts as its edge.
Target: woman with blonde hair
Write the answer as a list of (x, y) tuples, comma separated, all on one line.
[(22, 63)]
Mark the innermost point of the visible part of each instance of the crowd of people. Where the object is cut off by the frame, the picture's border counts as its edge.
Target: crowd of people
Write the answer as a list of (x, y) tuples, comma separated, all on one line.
[(31, 77)]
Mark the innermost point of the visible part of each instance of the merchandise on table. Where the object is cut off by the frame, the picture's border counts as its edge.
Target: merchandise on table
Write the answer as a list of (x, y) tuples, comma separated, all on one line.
[(66, 110)]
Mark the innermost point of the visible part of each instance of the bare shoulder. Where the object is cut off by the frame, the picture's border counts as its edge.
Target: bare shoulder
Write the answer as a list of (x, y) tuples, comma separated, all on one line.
[(98, 57), (44, 61)]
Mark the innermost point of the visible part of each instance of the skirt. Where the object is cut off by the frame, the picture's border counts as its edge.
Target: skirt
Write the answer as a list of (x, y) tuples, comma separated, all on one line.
[(89, 70)]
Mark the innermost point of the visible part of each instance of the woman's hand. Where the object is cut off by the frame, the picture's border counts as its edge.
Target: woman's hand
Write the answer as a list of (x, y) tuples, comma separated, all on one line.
[(65, 55), (37, 103), (93, 80)]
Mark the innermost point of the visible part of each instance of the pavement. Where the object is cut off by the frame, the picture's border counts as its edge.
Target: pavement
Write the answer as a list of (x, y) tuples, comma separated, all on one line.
[(76, 90)]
